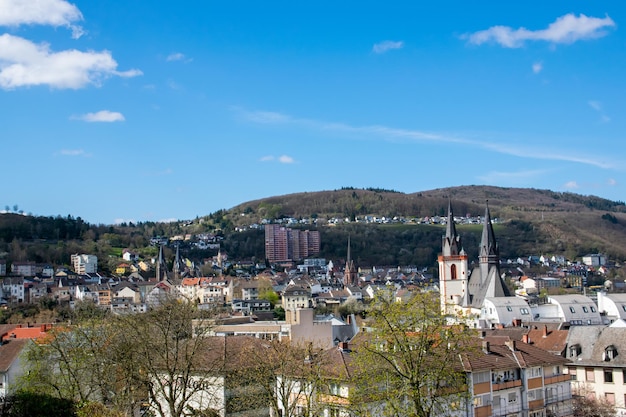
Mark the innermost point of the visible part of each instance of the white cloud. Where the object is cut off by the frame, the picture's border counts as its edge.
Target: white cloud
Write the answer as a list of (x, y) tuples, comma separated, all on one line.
[(596, 105), (566, 29), (499, 176), (384, 46), (391, 134), (41, 12), (283, 159), (24, 63), (120, 221), (571, 185), (73, 152), (101, 116), (611, 182), (537, 67), (177, 56)]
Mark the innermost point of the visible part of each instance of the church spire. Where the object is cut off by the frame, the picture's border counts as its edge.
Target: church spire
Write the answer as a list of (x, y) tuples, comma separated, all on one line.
[(451, 241), (488, 245), (161, 267), (349, 274)]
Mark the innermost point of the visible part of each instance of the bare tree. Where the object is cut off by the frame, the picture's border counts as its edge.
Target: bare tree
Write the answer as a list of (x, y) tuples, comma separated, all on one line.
[(409, 363)]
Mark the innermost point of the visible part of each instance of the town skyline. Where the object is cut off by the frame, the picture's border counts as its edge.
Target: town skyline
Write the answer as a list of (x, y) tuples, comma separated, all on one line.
[(151, 111)]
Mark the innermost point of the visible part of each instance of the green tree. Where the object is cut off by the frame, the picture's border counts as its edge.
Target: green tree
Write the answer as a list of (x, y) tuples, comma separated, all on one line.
[(408, 365)]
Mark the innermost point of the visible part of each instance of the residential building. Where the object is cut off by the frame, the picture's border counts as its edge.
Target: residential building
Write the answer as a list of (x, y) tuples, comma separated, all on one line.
[(505, 378), (296, 297), (286, 244), (594, 259), (25, 269), (84, 264)]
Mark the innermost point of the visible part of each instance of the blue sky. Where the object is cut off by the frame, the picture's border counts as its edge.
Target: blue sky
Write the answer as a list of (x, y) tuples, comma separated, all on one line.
[(150, 110)]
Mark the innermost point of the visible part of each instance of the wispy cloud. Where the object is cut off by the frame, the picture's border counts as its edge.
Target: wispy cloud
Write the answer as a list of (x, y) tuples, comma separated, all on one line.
[(597, 106), (283, 159), (177, 56), (566, 29), (41, 12), (120, 221), (24, 63), (101, 116), (384, 46), (391, 134), (515, 176), (571, 185), (166, 171), (612, 182), (73, 152), (537, 67)]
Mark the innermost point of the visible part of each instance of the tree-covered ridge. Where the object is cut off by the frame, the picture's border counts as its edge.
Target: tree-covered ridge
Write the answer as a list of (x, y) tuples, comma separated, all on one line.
[(530, 222)]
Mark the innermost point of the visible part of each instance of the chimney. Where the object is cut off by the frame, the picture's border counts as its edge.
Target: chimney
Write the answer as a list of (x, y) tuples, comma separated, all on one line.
[(485, 346), (545, 330), (526, 339), (517, 322), (510, 344), (343, 346)]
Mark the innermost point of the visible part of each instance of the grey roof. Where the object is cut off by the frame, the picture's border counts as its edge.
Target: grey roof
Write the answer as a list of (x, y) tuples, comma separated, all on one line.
[(592, 342)]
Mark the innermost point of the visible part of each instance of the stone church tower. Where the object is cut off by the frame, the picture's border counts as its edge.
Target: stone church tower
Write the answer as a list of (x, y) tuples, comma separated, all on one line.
[(453, 270)]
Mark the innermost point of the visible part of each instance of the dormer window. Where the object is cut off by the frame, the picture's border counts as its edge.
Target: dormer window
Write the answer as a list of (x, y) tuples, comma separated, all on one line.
[(610, 353), (574, 350)]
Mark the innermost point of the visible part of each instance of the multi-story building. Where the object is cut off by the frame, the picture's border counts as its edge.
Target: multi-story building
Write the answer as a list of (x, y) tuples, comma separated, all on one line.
[(283, 243), (508, 378), (25, 269), (598, 362), (84, 264)]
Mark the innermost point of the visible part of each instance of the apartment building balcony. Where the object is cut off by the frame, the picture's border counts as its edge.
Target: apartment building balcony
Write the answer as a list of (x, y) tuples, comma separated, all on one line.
[(497, 386)]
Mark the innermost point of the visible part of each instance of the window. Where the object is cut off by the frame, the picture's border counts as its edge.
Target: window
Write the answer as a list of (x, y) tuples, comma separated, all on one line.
[(574, 350), (509, 308), (512, 397), (534, 372), (609, 397), (608, 375), (535, 394), (480, 377), (524, 311), (590, 375), (453, 271), (572, 309), (609, 353), (481, 400), (585, 309), (593, 309)]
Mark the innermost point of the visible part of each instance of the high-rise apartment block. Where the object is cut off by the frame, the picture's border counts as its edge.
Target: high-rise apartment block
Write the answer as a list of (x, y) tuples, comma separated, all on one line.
[(85, 264), (285, 244)]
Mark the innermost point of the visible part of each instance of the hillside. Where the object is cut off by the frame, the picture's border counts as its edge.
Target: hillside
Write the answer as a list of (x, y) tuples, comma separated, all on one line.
[(529, 222)]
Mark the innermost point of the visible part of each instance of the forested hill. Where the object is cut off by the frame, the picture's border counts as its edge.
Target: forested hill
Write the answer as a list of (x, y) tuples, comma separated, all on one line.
[(529, 222)]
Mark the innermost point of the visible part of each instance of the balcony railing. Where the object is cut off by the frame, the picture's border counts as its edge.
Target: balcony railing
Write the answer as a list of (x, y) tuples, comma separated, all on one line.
[(507, 384)]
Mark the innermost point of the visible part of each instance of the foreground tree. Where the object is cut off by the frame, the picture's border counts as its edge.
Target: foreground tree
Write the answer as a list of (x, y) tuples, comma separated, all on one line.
[(124, 362), (585, 404), (285, 377), (409, 365)]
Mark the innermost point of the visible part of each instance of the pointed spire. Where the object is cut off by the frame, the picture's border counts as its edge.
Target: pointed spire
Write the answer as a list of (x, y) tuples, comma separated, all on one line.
[(451, 241), (450, 228), (488, 245)]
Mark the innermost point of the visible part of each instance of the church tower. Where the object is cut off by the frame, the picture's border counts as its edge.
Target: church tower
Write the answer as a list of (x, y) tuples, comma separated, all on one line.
[(453, 269), (350, 275), (489, 256)]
